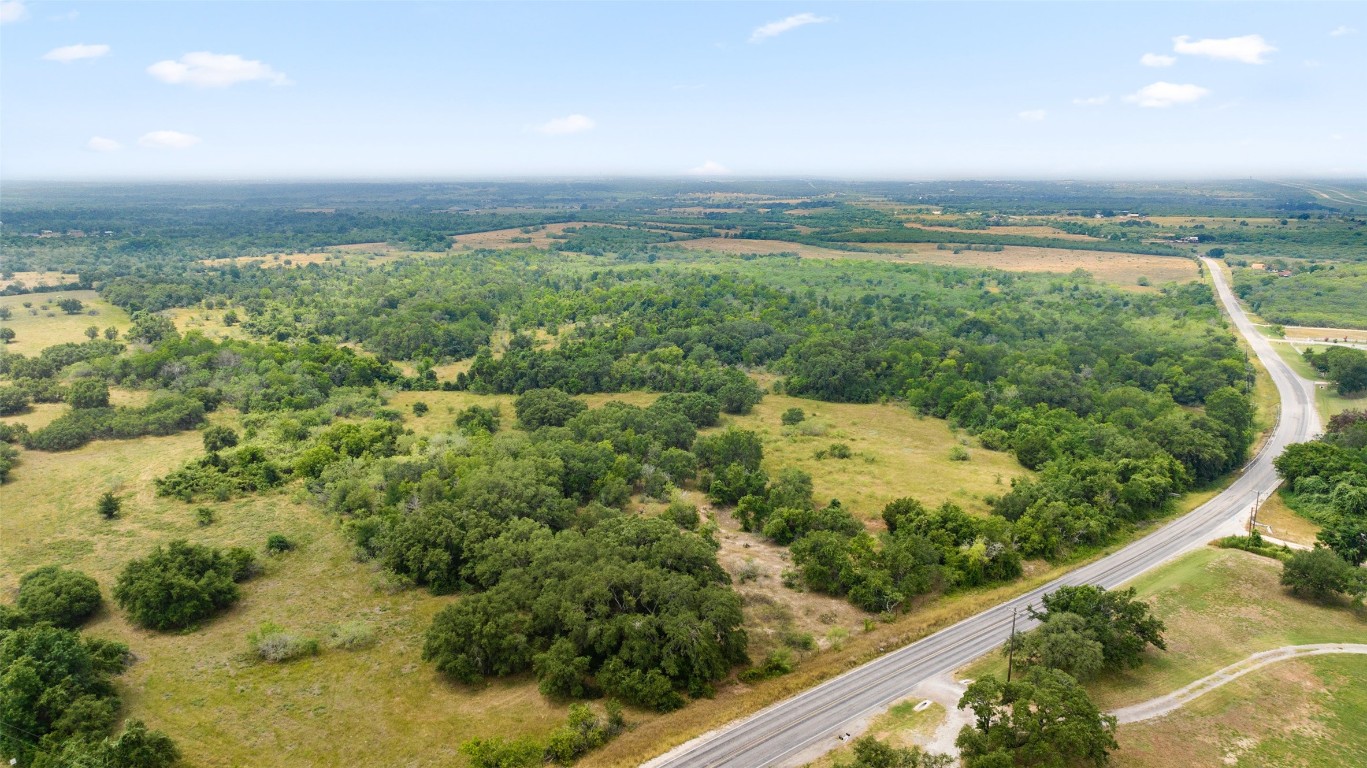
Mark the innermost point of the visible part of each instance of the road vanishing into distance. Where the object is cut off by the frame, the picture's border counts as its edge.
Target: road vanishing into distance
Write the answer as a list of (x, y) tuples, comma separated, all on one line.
[(814, 718)]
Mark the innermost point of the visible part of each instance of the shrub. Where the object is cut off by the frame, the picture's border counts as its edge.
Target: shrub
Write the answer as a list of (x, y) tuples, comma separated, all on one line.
[(276, 544), (477, 418), (420, 408), (351, 636), (109, 506), (957, 453), (217, 438), (778, 662), (538, 408), (204, 517), (684, 514), (88, 393), (13, 400), (792, 417), (839, 451), (181, 584), (270, 642), (53, 594)]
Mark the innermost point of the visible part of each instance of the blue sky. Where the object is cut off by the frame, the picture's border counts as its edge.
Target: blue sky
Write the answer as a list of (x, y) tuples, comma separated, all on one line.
[(279, 90)]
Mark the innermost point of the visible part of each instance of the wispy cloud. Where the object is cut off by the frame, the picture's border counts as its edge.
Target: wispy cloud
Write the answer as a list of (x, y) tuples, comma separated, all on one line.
[(1249, 49), (101, 144), (1157, 60), (1091, 101), (1032, 115), (12, 10), (69, 53), (1341, 30), (68, 16), (203, 69), (776, 28), (1161, 95), (568, 124), (168, 140), (710, 168)]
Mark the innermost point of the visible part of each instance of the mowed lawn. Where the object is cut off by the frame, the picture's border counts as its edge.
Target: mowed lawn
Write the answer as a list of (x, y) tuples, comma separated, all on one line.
[(1301, 713), (33, 332)]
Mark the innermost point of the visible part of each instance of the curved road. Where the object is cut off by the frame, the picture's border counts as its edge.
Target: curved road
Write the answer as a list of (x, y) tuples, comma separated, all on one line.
[(783, 731)]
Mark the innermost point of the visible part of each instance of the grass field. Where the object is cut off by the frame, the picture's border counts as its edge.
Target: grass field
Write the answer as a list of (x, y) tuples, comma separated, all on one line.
[(1293, 714), (208, 322), (1220, 606), (1122, 270), (223, 708), (33, 332), (39, 279)]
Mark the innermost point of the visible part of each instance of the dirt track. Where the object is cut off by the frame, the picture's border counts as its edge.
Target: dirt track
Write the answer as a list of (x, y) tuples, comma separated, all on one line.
[(1164, 704)]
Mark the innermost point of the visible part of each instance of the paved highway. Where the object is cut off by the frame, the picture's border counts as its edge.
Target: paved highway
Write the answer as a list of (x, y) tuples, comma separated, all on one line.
[(776, 735)]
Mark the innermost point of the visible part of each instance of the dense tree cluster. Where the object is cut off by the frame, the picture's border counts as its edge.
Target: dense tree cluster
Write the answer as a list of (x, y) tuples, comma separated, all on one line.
[(1326, 480), (1345, 366), (181, 584), (1042, 719)]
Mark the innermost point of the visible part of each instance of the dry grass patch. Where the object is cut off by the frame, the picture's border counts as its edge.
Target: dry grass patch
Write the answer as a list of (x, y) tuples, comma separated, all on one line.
[(34, 332), (208, 322), (273, 260), (1285, 523), (32, 280)]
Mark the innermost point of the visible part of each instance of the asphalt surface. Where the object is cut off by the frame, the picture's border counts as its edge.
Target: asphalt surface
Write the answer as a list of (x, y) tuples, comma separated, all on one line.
[(806, 722)]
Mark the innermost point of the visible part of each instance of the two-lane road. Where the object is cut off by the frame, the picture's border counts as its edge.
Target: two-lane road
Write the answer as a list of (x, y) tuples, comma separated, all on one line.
[(774, 736)]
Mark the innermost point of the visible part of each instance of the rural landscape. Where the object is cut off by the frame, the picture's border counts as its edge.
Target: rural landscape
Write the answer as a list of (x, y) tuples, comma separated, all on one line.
[(680, 385)]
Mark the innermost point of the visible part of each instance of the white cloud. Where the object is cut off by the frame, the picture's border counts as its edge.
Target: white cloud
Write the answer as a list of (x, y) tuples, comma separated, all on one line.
[(1032, 115), (12, 10), (776, 28), (1091, 101), (68, 16), (561, 126), (214, 70), (1341, 30), (69, 53), (1248, 49), (1163, 94), (1157, 60), (710, 168), (168, 140), (101, 144)]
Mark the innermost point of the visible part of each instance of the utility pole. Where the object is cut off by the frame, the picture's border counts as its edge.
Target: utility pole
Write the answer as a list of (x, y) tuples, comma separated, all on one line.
[(1253, 516), (1011, 646)]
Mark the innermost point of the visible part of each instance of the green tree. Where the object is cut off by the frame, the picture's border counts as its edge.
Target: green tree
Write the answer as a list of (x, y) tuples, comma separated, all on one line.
[(12, 400), (109, 506), (218, 438), (872, 753), (181, 584), (1124, 626), (88, 393), (1347, 537), (6, 334), (538, 408), (1042, 719), (70, 306), (1319, 574), (1063, 642), (92, 333), (54, 688), (54, 594), (111, 333), (792, 416), (135, 747)]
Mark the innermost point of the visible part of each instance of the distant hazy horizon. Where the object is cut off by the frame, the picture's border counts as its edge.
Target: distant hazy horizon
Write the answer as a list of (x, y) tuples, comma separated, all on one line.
[(407, 91)]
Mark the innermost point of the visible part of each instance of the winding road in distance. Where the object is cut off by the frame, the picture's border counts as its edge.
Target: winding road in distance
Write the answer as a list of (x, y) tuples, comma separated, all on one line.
[(775, 735)]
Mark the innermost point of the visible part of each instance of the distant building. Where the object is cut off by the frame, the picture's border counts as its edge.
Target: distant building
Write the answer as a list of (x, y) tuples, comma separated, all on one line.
[(1284, 273), (1257, 265)]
